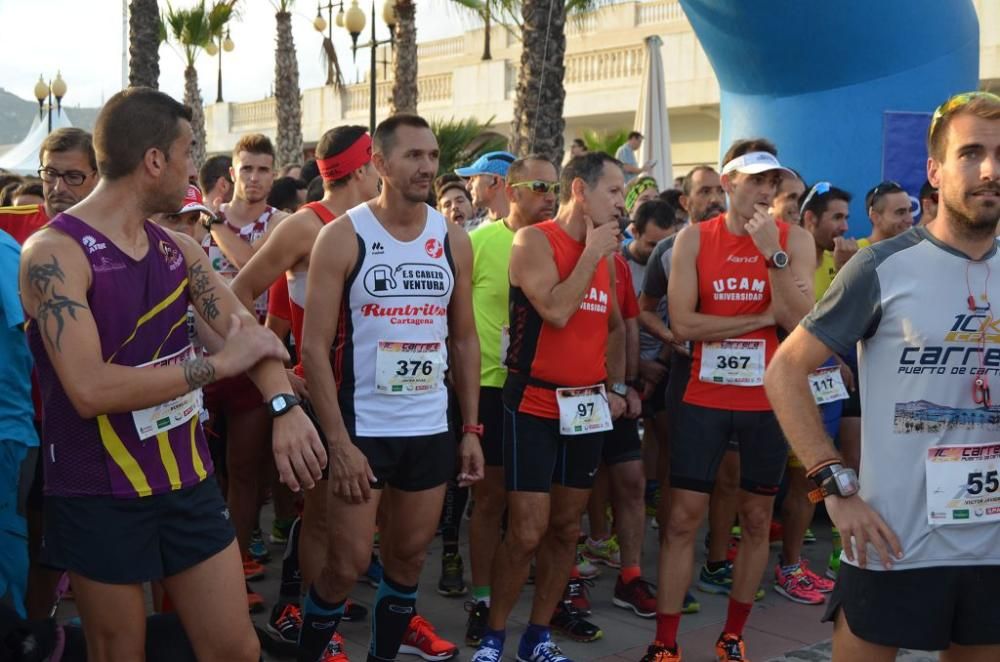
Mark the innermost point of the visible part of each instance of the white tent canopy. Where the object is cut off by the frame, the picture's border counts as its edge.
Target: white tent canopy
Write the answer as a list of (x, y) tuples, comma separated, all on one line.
[(23, 157), (652, 120)]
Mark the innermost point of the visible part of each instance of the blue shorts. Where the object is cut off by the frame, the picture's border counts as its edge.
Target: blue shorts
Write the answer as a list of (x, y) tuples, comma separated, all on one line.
[(13, 526)]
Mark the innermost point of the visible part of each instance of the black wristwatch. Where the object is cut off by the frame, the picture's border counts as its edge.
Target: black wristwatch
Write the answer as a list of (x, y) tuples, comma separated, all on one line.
[(281, 404), (835, 480), (778, 261)]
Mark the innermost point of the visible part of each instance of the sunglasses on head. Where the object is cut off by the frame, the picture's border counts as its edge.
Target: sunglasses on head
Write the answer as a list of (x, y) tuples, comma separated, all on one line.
[(956, 102), (539, 186), (819, 188), (884, 188)]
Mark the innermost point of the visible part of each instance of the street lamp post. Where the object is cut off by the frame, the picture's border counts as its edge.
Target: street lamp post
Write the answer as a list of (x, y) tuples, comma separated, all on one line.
[(354, 22), (225, 44), (55, 87), (320, 24)]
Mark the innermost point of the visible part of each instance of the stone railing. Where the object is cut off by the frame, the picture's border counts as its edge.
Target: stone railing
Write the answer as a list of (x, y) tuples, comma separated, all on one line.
[(610, 64), (434, 88), (659, 12), (430, 89), (582, 24), (253, 114), (442, 48)]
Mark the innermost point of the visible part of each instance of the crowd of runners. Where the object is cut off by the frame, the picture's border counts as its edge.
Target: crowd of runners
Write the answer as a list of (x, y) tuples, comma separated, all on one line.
[(371, 351)]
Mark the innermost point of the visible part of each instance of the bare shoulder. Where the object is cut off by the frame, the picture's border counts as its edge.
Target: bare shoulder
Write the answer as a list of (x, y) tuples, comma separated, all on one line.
[(55, 253), (336, 246)]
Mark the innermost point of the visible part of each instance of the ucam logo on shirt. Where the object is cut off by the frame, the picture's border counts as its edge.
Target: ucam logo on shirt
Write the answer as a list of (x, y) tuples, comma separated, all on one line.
[(739, 289), (595, 301), (410, 279)]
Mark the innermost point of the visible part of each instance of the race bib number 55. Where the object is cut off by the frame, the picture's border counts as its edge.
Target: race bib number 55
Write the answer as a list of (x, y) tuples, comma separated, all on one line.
[(963, 484), (408, 368), (732, 362)]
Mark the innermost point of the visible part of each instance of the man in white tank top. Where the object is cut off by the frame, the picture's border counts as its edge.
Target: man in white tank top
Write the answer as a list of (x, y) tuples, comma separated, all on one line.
[(390, 291)]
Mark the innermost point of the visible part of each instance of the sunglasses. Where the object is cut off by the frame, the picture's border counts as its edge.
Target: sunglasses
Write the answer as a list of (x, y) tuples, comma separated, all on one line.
[(956, 102), (884, 188), (539, 186), (819, 188)]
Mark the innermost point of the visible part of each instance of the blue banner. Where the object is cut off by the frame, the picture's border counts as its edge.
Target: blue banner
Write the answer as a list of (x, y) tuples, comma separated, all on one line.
[(904, 151)]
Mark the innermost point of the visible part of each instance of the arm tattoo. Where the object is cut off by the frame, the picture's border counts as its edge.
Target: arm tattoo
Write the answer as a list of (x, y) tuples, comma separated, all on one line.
[(202, 291), (52, 306), (199, 372)]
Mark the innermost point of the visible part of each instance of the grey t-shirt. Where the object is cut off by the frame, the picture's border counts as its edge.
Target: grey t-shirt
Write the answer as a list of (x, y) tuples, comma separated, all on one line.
[(626, 154), (904, 302), (649, 346)]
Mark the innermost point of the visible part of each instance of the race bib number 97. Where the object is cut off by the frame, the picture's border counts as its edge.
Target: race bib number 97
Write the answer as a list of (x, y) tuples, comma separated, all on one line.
[(732, 362), (963, 484), (583, 410), (408, 368)]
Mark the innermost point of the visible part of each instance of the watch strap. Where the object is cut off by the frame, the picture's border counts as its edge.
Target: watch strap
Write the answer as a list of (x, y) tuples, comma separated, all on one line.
[(479, 429)]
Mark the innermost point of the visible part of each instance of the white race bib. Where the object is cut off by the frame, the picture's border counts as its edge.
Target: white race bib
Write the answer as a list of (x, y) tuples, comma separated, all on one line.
[(963, 484), (166, 416), (827, 385), (732, 362), (403, 368), (583, 410), (504, 345)]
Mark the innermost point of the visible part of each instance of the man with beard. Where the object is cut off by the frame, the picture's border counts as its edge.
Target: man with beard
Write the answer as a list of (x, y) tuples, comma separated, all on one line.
[(890, 210), (68, 170), (389, 296), (921, 560), (487, 186), (126, 462)]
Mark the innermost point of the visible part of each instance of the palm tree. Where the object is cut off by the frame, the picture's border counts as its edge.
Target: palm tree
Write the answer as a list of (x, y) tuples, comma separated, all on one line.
[(143, 44), (462, 141), (286, 89), (404, 58), (606, 141), (192, 30)]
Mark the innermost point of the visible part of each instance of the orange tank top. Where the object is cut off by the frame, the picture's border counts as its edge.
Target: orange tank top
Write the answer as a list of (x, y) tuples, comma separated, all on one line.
[(542, 357), (732, 281)]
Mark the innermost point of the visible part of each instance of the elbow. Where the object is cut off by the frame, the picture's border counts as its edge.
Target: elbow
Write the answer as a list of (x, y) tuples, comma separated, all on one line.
[(682, 332), (86, 402), (775, 375)]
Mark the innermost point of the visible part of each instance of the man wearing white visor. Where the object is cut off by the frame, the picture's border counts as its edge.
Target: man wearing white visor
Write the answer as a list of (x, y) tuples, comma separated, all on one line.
[(734, 279)]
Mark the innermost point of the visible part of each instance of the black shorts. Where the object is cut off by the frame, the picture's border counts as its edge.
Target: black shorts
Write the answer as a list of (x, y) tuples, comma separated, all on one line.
[(411, 464), (677, 381), (852, 405), (129, 541), (622, 443), (704, 434), (923, 609), (491, 416), (535, 454), (657, 400)]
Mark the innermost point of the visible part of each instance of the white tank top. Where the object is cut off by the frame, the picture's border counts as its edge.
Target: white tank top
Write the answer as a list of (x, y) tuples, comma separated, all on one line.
[(249, 233), (391, 353)]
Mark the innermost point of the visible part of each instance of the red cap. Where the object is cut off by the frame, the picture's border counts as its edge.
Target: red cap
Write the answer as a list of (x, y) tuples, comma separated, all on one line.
[(194, 201)]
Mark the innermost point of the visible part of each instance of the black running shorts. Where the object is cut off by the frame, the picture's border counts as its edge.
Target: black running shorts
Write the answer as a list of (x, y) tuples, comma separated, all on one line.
[(622, 443), (411, 464), (129, 541), (491, 416), (536, 455), (922, 609), (704, 434)]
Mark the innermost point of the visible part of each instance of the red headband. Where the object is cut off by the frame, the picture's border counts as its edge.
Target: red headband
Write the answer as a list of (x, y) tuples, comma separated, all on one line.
[(340, 165)]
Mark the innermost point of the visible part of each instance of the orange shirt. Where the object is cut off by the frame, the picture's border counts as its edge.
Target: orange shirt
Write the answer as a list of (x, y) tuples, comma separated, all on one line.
[(543, 357), (21, 222), (732, 281)]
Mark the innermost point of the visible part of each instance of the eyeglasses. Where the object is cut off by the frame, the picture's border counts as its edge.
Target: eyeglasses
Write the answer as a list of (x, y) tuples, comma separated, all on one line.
[(819, 188), (956, 102), (884, 188), (539, 186), (71, 177)]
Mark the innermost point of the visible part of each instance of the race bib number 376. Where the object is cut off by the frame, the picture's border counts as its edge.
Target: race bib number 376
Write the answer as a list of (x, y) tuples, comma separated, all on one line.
[(408, 368), (963, 484)]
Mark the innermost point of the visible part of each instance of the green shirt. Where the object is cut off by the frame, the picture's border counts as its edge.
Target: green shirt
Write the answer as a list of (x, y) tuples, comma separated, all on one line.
[(491, 247)]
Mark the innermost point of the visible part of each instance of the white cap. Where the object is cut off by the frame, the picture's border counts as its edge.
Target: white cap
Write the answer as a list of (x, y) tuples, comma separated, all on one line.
[(753, 163)]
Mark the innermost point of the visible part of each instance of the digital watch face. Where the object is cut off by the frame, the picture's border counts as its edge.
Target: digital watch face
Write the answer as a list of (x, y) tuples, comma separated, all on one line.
[(847, 484)]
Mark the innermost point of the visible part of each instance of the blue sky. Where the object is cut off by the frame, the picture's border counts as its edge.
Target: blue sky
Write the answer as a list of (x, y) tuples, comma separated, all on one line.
[(83, 40)]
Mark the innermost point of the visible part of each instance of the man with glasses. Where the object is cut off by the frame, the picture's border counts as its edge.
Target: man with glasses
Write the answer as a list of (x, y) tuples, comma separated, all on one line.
[(68, 172), (487, 186), (921, 562), (532, 188), (890, 210)]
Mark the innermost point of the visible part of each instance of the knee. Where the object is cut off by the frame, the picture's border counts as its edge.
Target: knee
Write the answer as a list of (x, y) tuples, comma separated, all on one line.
[(523, 538), (755, 522), (343, 569), (565, 532), (490, 504), (631, 486), (110, 644), (683, 522), (246, 649)]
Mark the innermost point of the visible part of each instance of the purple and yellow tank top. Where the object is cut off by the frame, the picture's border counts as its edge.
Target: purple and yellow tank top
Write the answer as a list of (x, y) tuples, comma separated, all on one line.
[(141, 309)]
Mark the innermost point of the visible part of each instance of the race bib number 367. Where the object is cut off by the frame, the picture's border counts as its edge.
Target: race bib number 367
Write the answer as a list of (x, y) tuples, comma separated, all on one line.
[(732, 362), (408, 368), (963, 484)]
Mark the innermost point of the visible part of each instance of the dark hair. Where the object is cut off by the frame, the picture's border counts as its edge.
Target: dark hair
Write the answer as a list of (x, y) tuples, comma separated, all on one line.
[(8, 178), (927, 190), (69, 139), (28, 187), (517, 168), (254, 143), (984, 105), (310, 171), (285, 193), (449, 181), (747, 145), (579, 143), (688, 183), (334, 142), (818, 203), (672, 197), (131, 123), (876, 193), (385, 133), (659, 213), (7, 193), (589, 167), (314, 192), (633, 134), (214, 169)]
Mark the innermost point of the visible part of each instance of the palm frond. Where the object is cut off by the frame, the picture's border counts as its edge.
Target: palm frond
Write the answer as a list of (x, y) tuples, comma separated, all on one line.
[(462, 141), (605, 141)]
